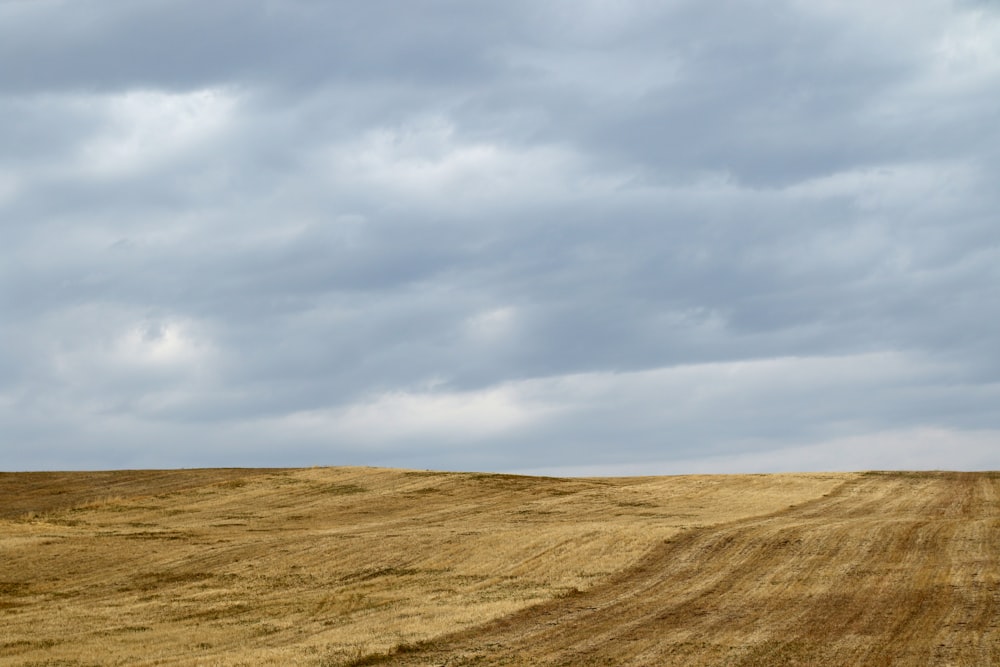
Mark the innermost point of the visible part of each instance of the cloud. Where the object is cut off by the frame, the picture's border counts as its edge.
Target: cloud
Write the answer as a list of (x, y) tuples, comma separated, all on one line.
[(911, 449), (144, 128), (523, 236)]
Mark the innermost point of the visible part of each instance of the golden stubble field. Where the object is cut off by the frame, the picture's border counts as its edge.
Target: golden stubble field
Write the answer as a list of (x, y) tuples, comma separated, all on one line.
[(341, 566)]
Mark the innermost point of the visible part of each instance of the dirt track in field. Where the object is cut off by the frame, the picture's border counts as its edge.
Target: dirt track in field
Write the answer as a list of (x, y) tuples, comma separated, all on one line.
[(890, 569), (321, 566)]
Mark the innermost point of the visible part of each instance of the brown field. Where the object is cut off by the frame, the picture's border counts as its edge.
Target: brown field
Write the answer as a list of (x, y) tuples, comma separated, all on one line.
[(341, 566)]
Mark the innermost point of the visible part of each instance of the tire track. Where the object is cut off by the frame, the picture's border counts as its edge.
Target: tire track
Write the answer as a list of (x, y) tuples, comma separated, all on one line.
[(891, 569)]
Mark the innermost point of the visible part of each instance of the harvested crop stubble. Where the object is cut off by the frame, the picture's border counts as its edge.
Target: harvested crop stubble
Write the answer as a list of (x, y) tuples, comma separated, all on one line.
[(891, 569), (337, 566)]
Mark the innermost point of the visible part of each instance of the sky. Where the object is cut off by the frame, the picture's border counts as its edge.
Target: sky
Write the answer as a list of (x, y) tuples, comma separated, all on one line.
[(578, 237)]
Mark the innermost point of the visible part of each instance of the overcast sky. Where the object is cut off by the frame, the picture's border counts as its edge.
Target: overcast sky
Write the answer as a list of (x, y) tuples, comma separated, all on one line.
[(580, 237)]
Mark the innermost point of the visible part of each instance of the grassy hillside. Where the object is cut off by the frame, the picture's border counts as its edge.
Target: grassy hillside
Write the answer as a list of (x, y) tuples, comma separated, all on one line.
[(336, 566)]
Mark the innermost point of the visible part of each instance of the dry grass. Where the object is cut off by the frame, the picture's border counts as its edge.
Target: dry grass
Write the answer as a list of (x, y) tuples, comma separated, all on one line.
[(354, 566), (888, 570)]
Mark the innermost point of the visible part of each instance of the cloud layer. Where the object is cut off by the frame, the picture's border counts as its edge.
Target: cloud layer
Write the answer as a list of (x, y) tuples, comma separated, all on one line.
[(531, 236)]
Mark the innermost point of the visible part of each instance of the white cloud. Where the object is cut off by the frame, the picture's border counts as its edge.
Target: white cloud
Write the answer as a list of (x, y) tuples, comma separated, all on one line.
[(726, 408), (169, 345), (955, 56), (889, 186), (427, 162), (968, 53), (491, 326), (924, 448), (146, 128), (700, 390), (435, 419), (101, 355)]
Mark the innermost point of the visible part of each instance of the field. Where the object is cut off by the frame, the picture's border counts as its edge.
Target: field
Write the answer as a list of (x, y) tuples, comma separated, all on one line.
[(352, 566)]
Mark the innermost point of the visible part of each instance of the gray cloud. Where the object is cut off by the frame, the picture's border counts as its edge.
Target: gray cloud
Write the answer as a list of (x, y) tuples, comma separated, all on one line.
[(562, 236)]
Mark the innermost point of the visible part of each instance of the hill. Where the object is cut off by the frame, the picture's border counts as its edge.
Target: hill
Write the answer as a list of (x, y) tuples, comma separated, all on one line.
[(338, 566)]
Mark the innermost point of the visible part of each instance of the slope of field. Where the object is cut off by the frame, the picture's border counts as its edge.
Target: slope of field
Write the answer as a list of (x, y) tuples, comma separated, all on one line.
[(330, 566), (891, 569), (338, 566)]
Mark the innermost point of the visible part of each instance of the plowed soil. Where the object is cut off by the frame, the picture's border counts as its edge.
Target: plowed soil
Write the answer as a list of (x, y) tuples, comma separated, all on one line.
[(351, 566)]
